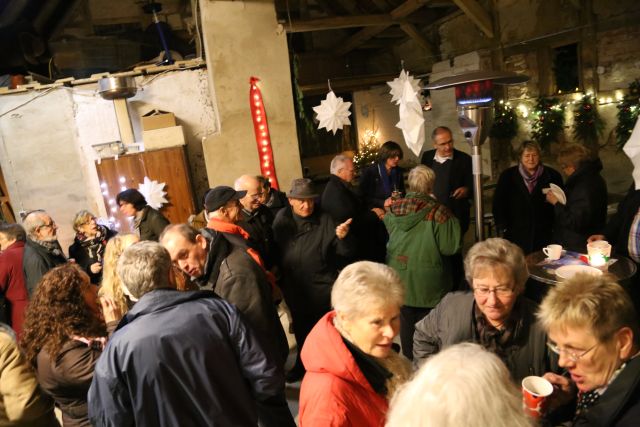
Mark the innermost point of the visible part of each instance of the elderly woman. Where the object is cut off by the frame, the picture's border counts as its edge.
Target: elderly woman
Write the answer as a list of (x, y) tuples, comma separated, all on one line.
[(422, 233), (64, 335), (352, 369), (520, 209), (593, 327), (585, 212), (148, 222), (384, 179), (452, 389), (111, 283), (495, 315), (89, 244)]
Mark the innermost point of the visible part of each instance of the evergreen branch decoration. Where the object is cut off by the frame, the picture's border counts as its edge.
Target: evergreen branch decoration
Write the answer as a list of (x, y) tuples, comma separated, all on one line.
[(628, 111), (505, 123), (548, 121), (587, 123), (368, 152)]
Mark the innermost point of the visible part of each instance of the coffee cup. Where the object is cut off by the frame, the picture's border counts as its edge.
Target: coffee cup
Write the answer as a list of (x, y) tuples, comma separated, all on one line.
[(553, 252), (535, 391)]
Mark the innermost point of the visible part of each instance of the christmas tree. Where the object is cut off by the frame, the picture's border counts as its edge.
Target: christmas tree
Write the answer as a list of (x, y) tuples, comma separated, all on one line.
[(368, 152), (628, 111), (548, 122), (587, 124)]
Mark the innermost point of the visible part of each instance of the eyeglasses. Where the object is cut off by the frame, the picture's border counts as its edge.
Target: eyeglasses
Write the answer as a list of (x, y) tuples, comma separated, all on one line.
[(570, 354), (500, 291), (52, 224)]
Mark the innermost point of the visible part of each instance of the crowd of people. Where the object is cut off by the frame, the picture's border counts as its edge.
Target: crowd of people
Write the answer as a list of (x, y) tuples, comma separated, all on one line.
[(179, 324)]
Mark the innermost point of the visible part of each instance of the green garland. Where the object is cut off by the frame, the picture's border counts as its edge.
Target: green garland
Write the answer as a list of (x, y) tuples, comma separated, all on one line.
[(505, 122), (548, 121), (628, 111), (309, 126), (587, 124)]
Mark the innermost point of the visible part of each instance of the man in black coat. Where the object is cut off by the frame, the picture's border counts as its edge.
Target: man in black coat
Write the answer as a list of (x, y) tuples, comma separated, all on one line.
[(454, 177), (341, 201), (42, 250), (312, 251), (182, 358), (585, 212)]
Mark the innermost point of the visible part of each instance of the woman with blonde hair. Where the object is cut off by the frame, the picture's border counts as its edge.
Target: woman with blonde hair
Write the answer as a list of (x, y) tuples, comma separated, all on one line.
[(352, 368), (111, 284), (464, 385), (89, 244)]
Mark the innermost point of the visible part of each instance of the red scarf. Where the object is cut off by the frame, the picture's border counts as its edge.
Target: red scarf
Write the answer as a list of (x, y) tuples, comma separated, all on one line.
[(228, 227)]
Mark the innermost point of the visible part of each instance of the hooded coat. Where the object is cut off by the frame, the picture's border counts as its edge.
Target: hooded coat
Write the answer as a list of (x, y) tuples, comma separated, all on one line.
[(334, 391), (585, 213), (186, 358), (421, 233)]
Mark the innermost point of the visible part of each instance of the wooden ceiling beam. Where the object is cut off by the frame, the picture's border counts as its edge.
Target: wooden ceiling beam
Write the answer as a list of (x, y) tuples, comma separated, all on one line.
[(365, 34), (412, 31), (477, 15), (346, 84), (338, 22)]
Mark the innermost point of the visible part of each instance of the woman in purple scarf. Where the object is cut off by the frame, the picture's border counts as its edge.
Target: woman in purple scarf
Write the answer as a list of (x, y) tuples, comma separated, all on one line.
[(520, 209)]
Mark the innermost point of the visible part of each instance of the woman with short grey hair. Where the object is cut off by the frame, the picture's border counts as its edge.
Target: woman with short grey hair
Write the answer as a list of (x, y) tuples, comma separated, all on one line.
[(495, 314), (352, 368), (89, 244), (520, 210), (443, 395), (422, 234)]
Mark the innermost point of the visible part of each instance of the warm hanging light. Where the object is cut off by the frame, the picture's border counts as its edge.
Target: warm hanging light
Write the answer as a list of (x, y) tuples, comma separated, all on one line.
[(261, 129)]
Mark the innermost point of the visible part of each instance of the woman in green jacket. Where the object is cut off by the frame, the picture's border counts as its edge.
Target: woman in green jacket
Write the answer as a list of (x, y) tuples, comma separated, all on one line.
[(422, 232)]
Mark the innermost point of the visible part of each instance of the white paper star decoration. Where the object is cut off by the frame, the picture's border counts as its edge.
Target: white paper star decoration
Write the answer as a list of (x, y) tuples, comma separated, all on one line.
[(632, 150), (404, 91), (333, 113), (397, 86), (153, 192)]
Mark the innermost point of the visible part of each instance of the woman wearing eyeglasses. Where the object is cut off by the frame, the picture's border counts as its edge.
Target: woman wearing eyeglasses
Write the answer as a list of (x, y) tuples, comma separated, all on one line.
[(495, 314), (89, 244), (593, 327)]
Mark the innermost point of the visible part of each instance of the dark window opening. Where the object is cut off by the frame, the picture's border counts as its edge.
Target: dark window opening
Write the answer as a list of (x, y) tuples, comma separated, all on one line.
[(565, 68)]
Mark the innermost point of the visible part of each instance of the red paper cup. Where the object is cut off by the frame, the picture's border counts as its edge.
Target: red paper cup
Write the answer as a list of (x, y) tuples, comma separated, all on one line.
[(535, 391)]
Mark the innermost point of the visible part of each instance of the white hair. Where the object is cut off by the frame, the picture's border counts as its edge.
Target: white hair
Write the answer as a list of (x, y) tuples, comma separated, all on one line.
[(464, 385), (33, 220), (421, 179), (242, 182), (338, 163)]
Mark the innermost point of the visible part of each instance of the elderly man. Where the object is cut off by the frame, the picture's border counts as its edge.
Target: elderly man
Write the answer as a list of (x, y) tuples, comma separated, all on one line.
[(271, 197), (42, 250), (214, 262), (255, 218), (341, 201), (12, 287), (312, 249), (182, 358)]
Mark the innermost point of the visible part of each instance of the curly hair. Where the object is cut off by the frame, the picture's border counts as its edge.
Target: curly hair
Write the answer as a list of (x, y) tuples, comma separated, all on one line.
[(58, 310), (111, 284)]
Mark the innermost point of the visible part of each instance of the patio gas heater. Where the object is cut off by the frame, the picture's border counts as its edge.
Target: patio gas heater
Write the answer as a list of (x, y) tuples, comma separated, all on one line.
[(474, 97)]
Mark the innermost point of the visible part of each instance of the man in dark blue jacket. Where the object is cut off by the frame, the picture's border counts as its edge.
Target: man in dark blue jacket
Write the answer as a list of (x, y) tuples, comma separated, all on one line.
[(182, 358)]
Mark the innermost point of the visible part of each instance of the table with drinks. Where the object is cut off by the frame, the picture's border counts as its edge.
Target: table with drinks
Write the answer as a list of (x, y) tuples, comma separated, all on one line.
[(553, 264)]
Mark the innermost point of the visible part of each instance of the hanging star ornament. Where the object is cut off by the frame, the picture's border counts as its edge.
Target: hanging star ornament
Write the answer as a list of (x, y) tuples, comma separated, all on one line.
[(397, 86), (333, 113), (153, 192), (411, 117)]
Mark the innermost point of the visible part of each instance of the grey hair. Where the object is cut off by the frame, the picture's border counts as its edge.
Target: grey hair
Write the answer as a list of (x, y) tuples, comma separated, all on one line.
[(338, 163), (529, 146), (421, 179), (463, 385), (144, 267), (363, 284), (33, 220), (497, 252)]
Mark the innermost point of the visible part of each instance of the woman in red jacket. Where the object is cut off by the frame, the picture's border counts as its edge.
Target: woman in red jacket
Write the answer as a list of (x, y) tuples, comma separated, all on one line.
[(352, 369)]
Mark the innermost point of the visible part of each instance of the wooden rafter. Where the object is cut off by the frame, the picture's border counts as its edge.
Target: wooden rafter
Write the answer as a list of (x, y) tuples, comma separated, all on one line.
[(365, 34), (413, 32), (346, 84), (337, 22), (477, 14)]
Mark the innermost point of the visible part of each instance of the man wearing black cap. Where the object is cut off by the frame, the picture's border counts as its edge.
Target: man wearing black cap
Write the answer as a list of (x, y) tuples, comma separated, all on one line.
[(219, 258), (312, 250)]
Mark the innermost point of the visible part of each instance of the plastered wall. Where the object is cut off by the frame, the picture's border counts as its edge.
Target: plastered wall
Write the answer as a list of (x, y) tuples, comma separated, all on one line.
[(243, 39)]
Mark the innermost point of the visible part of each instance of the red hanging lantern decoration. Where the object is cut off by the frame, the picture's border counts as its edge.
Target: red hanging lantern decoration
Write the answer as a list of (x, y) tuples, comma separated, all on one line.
[(261, 129)]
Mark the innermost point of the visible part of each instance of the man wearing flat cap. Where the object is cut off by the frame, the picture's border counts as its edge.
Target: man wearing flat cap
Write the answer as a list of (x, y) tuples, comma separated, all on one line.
[(219, 258), (313, 248)]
